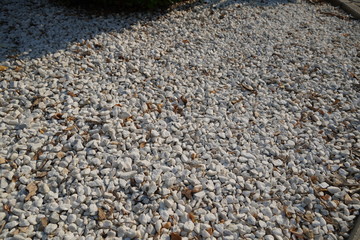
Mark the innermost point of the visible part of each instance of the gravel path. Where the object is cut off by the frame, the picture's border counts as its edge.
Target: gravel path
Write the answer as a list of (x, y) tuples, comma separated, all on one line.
[(234, 121)]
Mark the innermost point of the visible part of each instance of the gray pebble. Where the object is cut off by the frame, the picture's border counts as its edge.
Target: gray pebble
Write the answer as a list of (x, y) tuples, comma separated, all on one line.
[(333, 190), (50, 228)]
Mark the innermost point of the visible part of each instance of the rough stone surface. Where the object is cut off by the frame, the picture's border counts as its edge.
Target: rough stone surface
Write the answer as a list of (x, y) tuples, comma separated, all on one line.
[(223, 120)]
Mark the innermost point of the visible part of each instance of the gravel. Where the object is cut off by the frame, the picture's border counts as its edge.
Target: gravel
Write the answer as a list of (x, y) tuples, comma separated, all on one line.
[(228, 119)]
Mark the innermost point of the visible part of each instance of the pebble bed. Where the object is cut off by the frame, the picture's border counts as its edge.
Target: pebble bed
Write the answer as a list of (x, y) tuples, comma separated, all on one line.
[(226, 120)]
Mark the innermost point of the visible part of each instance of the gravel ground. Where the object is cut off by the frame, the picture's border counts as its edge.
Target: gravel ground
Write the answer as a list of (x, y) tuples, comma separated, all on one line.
[(232, 120)]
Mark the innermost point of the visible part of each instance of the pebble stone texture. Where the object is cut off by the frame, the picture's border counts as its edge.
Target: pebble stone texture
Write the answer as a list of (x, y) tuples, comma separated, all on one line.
[(225, 120)]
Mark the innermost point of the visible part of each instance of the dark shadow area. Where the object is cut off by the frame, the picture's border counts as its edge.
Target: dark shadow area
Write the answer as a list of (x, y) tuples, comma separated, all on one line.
[(34, 28)]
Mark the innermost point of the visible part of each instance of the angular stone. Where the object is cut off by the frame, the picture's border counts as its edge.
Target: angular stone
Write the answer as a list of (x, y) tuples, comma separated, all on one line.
[(124, 115), (189, 226), (50, 228), (93, 209), (54, 217), (2, 216), (77, 145), (333, 189)]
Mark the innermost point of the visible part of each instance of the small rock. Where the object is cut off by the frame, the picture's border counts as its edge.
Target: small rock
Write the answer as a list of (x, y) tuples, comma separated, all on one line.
[(260, 185), (277, 232), (42, 72), (164, 214), (347, 199), (277, 162), (135, 154), (54, 217), (44, 188), (189, 226), (72, 227), (11, 225), (19, 237), (152, 188), (2, 216), (290, 144), (144, 219), (51, 227), (205, 234), (71, 218), (3, 183), (93, 209), (315, 223), (210, 185), (77, 145), (307, 201), (269, 237), (26, 170), (32, 219), (124, 115), (9, 175), (334, 168), (262, 224), (35, 146), (267, 212), (107, 224), (333, 189), (24, 223), (210, 217), (165, 133), (324, 185), (248, 155), (200, 194), (64, 207), (154, 133), (251, 220)]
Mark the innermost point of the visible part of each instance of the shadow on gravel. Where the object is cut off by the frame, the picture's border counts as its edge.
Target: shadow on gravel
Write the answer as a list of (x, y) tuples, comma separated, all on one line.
[(34, 28)]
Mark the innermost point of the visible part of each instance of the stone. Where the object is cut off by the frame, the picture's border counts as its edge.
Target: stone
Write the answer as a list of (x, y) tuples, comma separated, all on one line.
[(277, 162), (210, 217), (2, 216), (333, 190), (93, 209), (11, 224), (64, 206), (71, 218), (251, 220), (290, 144), (267, 212), (262, 224), (200, 194), (51, 227), (277, 232), (189, 226), (164, 214), (77, 145), (54, 217), (24, 223), (144, 219), (44, 188), (124, 115), (32, 219), (26, 170), (72, 227)]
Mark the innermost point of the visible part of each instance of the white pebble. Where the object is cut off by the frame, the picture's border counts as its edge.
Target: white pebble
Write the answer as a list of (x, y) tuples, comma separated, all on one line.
[(189, 226), (51, 227)]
